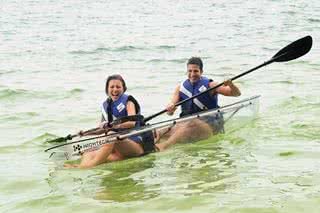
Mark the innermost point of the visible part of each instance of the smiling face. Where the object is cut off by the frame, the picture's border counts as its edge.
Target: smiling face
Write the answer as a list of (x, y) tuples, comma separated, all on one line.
[(194, 73), (115, 89)]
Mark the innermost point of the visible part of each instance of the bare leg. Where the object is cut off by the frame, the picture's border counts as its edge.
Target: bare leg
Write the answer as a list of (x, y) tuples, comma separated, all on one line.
[(187, 132), (115, 156), (109, 152), (99, 156), (129, 148), (94, 158), (163, 134)]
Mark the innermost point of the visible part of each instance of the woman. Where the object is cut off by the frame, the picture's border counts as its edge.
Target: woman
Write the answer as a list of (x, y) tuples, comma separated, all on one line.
[(117, 105)]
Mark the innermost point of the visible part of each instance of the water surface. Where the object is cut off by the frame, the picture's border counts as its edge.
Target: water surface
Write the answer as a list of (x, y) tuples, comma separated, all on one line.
[(56, 55)]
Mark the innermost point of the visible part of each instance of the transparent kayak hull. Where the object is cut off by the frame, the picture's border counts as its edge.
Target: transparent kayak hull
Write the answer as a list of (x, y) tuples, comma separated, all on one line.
[(221, 120)]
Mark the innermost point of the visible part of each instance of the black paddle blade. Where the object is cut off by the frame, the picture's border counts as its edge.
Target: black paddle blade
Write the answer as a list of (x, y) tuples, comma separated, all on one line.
[(57, 140), (61, 139), (294, 50)]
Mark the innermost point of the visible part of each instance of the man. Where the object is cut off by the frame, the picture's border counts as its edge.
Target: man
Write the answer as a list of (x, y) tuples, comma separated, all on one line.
[(196, 83)]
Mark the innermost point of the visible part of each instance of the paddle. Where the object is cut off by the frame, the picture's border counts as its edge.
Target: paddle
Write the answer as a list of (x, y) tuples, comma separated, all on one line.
[(115, 122), (292, 51)]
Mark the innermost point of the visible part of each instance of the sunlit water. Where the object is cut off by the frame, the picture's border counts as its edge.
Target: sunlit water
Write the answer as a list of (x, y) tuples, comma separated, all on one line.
[(56, 55)]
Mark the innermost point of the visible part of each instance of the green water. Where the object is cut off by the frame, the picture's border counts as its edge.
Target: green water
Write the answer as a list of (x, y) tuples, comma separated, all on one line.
[(56, 55)]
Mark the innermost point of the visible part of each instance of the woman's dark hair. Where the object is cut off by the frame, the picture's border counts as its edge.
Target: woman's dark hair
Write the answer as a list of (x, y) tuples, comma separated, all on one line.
[(196, 61), (115, 77)]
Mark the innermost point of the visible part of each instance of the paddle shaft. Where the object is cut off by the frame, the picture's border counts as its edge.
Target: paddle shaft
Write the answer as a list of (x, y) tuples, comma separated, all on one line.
[(69, 137), (115, 122)]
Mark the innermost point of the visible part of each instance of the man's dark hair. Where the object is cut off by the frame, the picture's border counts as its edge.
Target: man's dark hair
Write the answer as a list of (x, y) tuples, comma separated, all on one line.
[(196, 61)]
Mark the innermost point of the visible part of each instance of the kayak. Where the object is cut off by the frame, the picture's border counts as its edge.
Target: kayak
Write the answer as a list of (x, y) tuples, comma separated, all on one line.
[(241, 111), (222, 117)]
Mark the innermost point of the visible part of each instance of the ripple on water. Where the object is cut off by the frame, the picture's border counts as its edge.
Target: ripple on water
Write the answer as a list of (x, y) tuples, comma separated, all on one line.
[(294, 117), (165, 47), (99, 50), (37, 142), (283, 82), (286, 154), (75, 91), (313, 20), (5, 72), (18, 116), (176, 61), (22, 94), (12, 93)]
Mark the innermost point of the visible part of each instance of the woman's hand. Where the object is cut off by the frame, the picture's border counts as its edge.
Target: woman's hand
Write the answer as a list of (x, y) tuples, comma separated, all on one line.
[(104, 125), (81, 133)]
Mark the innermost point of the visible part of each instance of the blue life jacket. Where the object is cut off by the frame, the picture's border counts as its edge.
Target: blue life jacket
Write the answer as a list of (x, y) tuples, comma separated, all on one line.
[(118, 108), (201, 103)]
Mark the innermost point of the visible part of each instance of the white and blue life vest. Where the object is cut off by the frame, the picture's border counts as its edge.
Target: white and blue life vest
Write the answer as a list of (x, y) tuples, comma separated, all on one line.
[(201, 103), (118, 107)]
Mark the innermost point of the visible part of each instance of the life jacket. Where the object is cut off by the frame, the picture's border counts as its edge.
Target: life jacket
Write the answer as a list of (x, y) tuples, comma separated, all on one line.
[(202, 102), (112, 110)]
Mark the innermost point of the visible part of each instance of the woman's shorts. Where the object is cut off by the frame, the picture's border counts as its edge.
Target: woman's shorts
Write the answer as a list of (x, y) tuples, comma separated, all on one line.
[(146, 139)]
